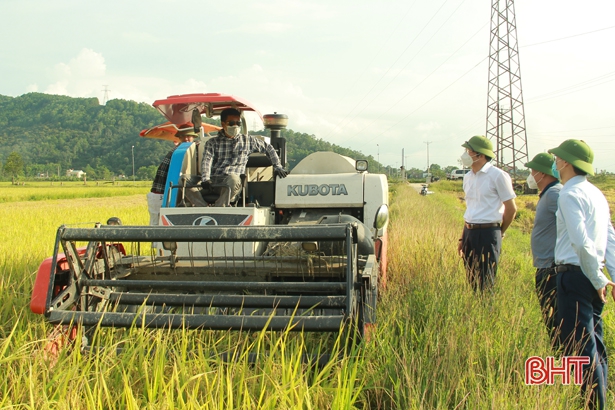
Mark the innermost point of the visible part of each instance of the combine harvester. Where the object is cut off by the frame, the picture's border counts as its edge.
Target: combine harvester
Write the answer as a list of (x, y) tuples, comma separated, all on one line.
[(303, 253)]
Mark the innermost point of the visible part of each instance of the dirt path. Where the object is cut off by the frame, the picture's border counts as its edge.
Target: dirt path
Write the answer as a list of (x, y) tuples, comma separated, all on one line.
[(417, 187)]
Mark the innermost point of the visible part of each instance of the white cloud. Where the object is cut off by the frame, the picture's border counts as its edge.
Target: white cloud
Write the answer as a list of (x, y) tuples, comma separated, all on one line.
[(272, 27), (59, 88), (292, 9), (429, 126), (62, 70), (88, 64), (266, 27), (81, 76)]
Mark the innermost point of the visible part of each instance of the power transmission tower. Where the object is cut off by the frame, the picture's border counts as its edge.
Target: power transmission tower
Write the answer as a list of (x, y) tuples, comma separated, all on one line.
[(106, 95), (505, 112)]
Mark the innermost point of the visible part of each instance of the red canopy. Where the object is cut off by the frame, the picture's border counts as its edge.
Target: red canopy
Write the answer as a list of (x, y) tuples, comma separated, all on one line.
[(178, 108)]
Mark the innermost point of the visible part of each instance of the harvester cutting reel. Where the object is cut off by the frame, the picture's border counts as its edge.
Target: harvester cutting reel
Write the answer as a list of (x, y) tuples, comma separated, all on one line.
[(210, 277)]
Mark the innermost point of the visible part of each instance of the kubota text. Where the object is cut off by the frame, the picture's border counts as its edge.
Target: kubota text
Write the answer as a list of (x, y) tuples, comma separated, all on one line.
[(313, 189)]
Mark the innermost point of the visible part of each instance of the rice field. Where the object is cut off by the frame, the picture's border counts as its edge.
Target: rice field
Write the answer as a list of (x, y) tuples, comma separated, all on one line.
[(437, 344), (40, 191)]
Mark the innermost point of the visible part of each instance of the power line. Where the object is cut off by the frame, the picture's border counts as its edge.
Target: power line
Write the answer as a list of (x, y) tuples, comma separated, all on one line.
[(375, 55), (584, 129), (385, 73), (428, 101), (411, 60), (553, 138), (425, 79), (571, 89), (567, 37)]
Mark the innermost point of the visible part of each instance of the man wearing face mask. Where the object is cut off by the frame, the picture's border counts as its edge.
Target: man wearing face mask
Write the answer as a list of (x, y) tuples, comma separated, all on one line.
[(583, 231), (490, 208), (229, 152), (544, 235)]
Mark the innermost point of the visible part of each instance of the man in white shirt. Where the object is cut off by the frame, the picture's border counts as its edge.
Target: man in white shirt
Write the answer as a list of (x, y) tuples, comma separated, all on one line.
[(583, 230), (490, 208)]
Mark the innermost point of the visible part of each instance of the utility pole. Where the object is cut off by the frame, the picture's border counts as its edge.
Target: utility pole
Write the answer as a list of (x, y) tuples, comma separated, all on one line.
[(428, 142), (505, 112), (378, 145), (133, 164), (403, 167)]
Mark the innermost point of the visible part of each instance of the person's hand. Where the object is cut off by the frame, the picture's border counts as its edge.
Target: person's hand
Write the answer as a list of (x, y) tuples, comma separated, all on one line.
[(280, 172), (206, 185), (459, 244), (602, 291)]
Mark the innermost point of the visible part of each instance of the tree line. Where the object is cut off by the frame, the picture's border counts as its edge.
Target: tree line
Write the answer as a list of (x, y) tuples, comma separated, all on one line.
[(45, 135)]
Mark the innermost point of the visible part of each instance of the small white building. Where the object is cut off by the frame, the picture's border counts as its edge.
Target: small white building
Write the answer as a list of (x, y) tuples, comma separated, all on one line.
[(77, 173)]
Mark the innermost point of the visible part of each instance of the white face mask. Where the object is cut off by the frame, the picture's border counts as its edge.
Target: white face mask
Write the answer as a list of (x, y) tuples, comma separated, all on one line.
[(531, 182), (233, 131), (467, 160)]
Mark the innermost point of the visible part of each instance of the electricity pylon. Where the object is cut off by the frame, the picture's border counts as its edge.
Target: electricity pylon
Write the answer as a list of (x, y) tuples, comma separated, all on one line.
[(505, 112)]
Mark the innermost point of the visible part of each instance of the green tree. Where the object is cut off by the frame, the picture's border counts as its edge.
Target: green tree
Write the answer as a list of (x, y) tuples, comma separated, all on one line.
[(414, 173), (450, 169), (75, 132), (147, 173), (102, 172), (14, 164), (90, 172), (436, 170)]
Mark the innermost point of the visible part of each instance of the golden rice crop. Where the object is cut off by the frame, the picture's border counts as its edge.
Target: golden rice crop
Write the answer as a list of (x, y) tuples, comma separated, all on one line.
[(437, 345)]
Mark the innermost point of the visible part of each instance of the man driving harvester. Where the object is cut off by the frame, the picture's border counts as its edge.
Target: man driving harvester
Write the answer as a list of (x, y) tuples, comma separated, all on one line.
[(229, 152)]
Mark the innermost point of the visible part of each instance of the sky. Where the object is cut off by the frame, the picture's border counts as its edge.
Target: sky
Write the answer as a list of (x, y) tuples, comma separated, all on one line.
[(374, 76)]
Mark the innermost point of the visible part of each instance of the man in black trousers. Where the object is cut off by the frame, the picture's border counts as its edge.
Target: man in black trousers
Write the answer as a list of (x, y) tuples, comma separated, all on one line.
[(544, 235), (490, 201)]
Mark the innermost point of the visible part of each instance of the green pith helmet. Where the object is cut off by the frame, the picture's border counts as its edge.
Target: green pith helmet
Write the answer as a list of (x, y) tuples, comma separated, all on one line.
[(577, 153), (480, 144), (542, 162), (186, 130)]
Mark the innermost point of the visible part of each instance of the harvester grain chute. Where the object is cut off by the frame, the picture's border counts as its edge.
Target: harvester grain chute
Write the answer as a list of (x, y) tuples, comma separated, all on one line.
[(303, 253)]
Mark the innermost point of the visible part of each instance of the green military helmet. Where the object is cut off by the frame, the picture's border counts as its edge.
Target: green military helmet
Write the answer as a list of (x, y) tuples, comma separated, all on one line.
[(577, 153), (542, 162), (480, 144), (186, 130)]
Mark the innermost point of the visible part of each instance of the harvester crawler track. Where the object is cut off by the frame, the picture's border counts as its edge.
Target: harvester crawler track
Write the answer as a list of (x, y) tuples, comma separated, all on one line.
[(299, 290)]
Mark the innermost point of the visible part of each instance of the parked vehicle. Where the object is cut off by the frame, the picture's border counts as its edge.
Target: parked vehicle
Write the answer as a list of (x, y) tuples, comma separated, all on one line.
[(457, 174)]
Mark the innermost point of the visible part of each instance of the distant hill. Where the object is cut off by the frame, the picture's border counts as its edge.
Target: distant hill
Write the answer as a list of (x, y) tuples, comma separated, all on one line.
[(53, 132)]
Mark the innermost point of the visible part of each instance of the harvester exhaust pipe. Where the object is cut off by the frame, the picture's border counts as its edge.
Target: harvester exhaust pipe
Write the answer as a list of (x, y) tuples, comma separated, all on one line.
[(275, 123)]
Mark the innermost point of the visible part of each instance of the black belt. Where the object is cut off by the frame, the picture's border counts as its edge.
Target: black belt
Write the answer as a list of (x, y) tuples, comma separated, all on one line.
[(567, 268), (482, 226)]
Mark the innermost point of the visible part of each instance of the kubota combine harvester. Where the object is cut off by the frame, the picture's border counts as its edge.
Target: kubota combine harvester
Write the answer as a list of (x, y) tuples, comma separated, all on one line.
[(305, 253)]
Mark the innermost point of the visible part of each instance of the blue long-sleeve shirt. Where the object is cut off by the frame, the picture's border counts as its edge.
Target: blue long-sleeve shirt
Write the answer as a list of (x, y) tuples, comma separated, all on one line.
[(544, 233), (583, 230)]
